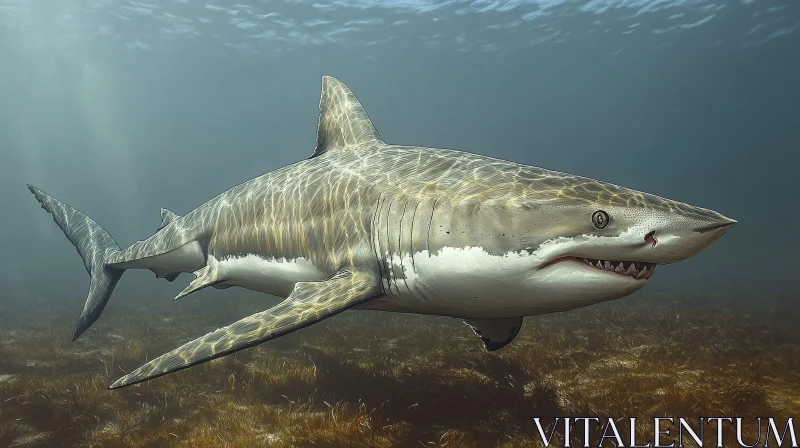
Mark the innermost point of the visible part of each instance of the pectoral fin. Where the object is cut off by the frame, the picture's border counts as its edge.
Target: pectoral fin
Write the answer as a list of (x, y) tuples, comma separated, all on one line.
[(495, 333), (309, 303)]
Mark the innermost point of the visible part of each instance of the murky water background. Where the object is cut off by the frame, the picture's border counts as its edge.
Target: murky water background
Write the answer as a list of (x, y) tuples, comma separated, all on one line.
[(120, 108)]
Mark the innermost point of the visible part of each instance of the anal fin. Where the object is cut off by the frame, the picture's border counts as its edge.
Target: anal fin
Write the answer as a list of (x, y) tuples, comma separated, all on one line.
[(166, 275), (495, 333)]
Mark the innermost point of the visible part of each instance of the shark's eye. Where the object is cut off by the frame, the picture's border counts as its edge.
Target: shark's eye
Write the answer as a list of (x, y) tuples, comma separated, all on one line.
[(600, 219)]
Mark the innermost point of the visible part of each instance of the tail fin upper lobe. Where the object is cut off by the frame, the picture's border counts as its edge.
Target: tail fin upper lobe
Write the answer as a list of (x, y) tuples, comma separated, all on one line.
[(94, 244)]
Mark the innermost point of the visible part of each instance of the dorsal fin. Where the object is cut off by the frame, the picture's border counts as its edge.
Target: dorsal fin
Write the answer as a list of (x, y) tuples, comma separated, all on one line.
[(167, 216), (343, 122)]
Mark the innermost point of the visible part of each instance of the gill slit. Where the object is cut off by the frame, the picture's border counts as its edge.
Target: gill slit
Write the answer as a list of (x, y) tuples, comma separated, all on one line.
[(389, 249), (428, 236), (411, 250), (400, 246), (376, 238)]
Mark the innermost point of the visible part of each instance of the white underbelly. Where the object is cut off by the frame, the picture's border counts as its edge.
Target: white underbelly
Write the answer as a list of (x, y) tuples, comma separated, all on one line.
[(276, 276), (471, 283), (458, 282)]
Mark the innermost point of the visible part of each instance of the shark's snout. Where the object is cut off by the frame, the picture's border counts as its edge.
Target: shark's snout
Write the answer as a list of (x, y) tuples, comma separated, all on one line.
[(675, 245), (725, 223)]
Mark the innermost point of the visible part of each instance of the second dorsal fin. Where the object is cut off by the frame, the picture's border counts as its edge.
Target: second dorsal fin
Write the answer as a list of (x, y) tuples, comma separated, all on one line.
[(167, 216), (343, 122)]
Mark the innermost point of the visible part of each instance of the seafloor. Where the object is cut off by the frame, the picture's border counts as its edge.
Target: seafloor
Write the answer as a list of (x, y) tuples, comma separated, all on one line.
[(367, 379)]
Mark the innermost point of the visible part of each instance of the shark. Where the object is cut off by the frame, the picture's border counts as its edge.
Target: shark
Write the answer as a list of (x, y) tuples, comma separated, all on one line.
[(366, 225)]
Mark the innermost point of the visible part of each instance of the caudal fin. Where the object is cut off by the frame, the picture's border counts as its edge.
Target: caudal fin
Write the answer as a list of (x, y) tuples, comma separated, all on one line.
[(94, 244)]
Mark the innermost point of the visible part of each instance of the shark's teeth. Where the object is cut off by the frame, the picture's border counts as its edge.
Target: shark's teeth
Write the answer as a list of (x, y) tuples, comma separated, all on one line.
[(635, 269)]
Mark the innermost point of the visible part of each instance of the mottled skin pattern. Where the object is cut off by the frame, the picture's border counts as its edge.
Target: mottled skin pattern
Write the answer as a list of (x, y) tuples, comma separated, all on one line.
[(360, 211)]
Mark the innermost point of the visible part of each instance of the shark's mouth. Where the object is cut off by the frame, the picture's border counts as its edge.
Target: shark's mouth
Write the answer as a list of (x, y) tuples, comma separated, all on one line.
[(639, 270)]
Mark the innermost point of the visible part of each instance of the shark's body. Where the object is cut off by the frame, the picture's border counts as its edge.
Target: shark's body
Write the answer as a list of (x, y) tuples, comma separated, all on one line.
[(366, 225)]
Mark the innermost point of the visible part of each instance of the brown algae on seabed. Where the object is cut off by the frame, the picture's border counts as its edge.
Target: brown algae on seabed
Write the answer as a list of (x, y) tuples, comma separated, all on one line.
[(378, 380)]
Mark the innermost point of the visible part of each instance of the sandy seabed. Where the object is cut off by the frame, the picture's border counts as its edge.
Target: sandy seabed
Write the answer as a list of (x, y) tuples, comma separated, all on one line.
[(369, 379)]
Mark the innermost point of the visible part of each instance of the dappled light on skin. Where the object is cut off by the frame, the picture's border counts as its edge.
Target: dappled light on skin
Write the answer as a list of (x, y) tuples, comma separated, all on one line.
[(331, 233)]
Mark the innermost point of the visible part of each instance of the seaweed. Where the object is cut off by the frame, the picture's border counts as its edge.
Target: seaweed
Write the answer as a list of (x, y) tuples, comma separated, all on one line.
[(371, 379)]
